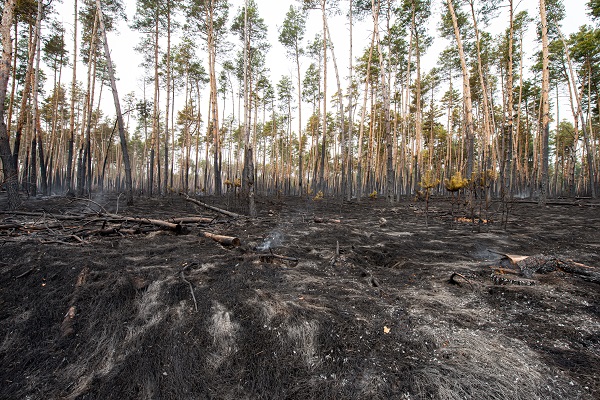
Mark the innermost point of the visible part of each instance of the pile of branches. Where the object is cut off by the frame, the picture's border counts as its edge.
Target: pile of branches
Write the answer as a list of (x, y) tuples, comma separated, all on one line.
[(78, 228)]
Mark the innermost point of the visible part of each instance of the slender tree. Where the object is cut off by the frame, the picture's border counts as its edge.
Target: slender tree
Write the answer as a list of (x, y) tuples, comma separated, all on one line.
[(120, 123), (209, 17), (291, 35), (71, 141), (251, 29), (468, 104)]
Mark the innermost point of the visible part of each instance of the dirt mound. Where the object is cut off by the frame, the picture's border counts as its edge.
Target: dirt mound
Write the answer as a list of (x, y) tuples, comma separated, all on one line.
[(351, 307)]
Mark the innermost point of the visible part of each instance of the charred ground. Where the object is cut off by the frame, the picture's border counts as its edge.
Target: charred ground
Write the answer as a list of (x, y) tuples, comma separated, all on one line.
[(368, 310)]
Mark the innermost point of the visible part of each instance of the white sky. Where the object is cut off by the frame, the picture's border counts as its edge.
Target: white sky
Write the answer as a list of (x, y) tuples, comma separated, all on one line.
[(127, 60)]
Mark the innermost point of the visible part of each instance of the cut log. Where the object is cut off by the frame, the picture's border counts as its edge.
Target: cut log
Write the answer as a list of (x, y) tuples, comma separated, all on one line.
[(226, 240), (219, 210), (178, 228)]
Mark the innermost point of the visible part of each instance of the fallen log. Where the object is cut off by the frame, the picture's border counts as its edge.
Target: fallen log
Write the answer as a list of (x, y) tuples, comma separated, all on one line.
[(191, 220), (49, 216), (226, 240), (178, 228), (219, 210)]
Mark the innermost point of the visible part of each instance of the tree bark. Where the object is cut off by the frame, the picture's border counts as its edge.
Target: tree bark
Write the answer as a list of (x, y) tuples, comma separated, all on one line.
[(10, 172), (545, 128)]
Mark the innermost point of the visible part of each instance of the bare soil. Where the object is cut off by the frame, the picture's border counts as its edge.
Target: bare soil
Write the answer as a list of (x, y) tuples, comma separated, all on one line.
[(363, 307)]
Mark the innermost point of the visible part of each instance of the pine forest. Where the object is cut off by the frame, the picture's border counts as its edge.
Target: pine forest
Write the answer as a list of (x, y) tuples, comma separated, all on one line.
[(514, 113)]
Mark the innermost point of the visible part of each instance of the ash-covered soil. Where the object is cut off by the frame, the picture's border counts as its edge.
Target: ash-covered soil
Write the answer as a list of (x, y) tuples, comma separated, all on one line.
[(367, 303)]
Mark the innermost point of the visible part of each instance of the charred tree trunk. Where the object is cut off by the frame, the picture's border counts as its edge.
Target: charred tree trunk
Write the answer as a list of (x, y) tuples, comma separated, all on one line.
[(10, 172)]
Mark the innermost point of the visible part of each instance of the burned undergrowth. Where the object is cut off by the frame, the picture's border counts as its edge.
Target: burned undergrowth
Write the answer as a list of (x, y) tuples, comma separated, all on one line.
[(356, 307)]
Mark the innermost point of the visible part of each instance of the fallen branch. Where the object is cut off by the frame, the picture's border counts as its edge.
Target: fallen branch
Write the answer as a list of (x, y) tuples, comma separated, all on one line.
[(10, 226), (226, 240), (52, 216), (219, 210), (24, 274), (90, 201), (277, 256), (191, 289)]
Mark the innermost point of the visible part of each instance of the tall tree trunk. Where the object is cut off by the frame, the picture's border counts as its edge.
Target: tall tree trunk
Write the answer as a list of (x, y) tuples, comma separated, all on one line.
[(359, 173), (71, 142), (248, 175), (469, 134), (386, 107), (300, 136), (350, 110), (508, 168), (214, 116), (589, 148), (37, 131), (10, 172), (578, 114), (154, 142), (13, 85), (24, 112), (168, 98), (487, 128), (545, 128), (344, 144), (113, 85), (418, 168), (324, 127)]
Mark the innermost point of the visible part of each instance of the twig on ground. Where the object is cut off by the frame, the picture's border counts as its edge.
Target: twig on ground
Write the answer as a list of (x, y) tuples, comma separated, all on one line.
[(91, 201), (118, 197), (455, 282), (191, 288), (282, 257), (80, 240), (219, 210), (24, 274)]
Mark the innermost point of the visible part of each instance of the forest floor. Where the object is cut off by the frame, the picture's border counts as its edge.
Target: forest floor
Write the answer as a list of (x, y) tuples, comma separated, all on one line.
[(322, 300)]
